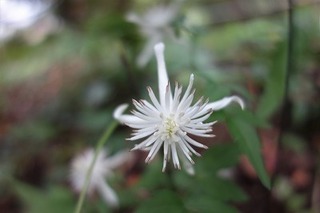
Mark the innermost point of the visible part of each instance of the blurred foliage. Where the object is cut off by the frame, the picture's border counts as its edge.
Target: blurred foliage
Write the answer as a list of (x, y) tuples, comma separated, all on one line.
[(55, 199)]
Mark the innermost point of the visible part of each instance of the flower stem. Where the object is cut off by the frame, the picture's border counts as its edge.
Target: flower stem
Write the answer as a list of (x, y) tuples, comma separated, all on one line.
[(107, 133)]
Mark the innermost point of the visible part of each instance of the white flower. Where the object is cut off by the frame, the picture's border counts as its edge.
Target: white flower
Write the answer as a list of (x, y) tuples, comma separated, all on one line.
[(102, 169), (155, 25), (171, 121), (17, 15)]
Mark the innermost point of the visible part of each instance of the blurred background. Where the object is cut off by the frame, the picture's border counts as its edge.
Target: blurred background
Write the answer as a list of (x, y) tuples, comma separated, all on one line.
[(65, 65)]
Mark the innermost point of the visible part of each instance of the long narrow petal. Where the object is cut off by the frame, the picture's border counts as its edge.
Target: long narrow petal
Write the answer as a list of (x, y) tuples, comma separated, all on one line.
[(119, 158), (190, 147), (194, 143), (168, 98), (130, 120), (165, 155), (162, 71), (144, 144), (188, 167), (125, 119), (118, 112), (134, 18), (155, 100), (175, 158), (176, 97), (154, 150), (108, 194), (139, 136), (144, 109), (220, 104), (150, 106), (147, 52), (186, 163), (187, 92), (145, 117)]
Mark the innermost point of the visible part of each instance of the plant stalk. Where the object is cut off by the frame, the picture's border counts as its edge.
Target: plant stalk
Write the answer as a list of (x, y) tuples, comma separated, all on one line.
[(107, 133)]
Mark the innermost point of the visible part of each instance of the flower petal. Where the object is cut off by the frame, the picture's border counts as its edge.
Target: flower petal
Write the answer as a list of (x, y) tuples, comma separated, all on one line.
[(108, 194), (154, 150), (186, 164), (118, 112), (129, 119), (147, 52), (119, 159), (220, 104), (175, 158), (134, 18), (188, 167), (162, 71)]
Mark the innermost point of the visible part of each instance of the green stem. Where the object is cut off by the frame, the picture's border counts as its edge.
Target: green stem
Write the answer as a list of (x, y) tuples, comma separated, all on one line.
[(107, 133)]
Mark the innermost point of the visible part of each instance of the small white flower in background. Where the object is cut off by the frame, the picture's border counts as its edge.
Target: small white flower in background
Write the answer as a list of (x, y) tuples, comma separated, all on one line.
[(155, 25), (170, 121), (101, 170), (32, 19)]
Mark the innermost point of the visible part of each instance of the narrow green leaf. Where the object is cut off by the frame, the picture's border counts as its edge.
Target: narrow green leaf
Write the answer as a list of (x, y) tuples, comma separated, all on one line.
[(273, 94), (246, 137)]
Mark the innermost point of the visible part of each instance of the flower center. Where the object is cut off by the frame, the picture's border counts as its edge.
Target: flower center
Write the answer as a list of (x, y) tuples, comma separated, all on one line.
[(169, 129)]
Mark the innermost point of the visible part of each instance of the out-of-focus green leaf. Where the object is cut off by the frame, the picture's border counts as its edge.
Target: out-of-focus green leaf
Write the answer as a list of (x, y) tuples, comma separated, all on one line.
[(219, 157), (210, 186), (206, 204), (33, 131), (246, 136), (92, 120), (33, 61), (162, 201), (272, 97), (260, 31), (294, 142), (211, 194), (128, 197), (112, 24), (207, 183), (55, 199), (153, 176), (297, 202), (219, 189), (244, 115), (206, 191)]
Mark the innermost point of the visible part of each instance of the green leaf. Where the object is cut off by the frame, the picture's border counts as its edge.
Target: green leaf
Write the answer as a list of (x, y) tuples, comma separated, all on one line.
[(296, 202), (163, 201), (210, 186), (293, 142), (219, 156), (206, 204), (220, 190), (90, 120), (35, 131), (153, 177), (274, 85), (55, 199), (246, 136), (206, 183)]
